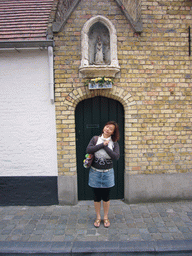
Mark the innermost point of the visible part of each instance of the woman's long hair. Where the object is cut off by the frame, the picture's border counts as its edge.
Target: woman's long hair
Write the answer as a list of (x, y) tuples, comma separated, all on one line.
[(115, 136)]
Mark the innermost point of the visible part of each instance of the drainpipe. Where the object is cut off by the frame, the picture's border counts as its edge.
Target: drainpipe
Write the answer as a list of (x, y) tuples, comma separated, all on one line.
[(51, 74)]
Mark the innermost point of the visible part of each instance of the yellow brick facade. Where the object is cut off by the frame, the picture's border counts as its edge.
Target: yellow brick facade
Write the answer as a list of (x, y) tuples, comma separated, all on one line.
[(154, 85)]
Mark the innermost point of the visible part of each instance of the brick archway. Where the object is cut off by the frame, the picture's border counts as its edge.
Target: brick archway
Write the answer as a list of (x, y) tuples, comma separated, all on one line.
[(67, 166)]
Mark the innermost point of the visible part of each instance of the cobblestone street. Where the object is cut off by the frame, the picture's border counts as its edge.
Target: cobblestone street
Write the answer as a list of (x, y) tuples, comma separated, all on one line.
[(137, 226), (139, 222)]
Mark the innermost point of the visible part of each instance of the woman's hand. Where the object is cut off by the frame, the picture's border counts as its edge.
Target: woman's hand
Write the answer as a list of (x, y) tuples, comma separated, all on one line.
[(106, 142)]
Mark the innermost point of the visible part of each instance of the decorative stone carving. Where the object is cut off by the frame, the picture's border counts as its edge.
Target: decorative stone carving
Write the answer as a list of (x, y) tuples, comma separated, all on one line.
[(63, 12), (132, 11), (99, 48)]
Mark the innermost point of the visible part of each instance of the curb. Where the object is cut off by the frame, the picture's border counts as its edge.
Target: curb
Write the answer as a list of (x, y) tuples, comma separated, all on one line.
[(171, 247)]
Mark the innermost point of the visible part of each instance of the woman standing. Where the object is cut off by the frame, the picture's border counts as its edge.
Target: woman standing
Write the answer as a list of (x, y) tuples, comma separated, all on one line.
[(101, 175)]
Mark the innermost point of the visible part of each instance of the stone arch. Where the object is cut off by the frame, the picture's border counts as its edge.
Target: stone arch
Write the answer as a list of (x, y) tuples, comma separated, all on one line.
[(85, 38)]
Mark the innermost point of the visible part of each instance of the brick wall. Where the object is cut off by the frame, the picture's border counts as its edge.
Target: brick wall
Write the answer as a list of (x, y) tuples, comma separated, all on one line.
[(154, 85)]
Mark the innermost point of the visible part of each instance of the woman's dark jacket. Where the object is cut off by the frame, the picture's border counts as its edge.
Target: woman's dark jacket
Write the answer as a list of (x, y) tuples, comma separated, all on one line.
[(106, 163)]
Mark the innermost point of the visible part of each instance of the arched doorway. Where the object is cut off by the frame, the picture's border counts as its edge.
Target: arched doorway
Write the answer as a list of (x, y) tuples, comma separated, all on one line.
[(90, 116)]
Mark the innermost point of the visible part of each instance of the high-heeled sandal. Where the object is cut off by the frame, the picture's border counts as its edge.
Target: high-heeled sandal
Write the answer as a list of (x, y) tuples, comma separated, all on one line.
[(106, 223), (97, 223)]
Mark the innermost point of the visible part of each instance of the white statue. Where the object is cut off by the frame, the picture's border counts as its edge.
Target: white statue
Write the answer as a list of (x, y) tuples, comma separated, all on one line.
[(99, 52)]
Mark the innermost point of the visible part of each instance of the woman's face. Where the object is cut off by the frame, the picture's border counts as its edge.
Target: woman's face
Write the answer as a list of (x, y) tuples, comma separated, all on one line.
[(108, 130)]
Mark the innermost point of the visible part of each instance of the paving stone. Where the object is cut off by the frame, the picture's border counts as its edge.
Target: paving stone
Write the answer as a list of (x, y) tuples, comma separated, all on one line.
[(28, 231), (69, 238), (50, 226), (184, 229), (62, 221), (123, 237), (6, 232), (141, 225), (9, 227), (144, 230), (177, 236), (24, 238), (173, 229), (81, 231), (3, 237), (133, 231), (146, 237), (61, 226), (163, 230), (40, 227), (131, 225), (82, 221), (153, 230), (80, 237), (122, 231), (14, 238), (114, 238), (59, 232), (58, 238), (170, 224), (35, 238), (167, 236), (146, 215), (91, 232), (148, 220), (155, 215), (156, 236), (17, 231), (187, 235), (47, 237), (129, 220), (134, 237)]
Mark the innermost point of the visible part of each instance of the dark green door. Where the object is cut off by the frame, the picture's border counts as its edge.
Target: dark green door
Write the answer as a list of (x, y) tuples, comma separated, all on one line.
[(91, 115)]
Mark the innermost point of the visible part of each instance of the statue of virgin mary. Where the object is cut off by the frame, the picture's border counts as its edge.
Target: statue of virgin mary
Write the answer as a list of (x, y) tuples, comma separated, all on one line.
[(99, 52)]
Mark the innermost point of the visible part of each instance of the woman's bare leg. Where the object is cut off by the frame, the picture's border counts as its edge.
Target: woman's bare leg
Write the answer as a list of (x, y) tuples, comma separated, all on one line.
[(98, 213), (106, 211)]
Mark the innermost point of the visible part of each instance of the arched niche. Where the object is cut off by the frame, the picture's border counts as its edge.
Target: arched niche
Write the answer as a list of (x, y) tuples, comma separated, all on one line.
[(99, 35), (103, 27)]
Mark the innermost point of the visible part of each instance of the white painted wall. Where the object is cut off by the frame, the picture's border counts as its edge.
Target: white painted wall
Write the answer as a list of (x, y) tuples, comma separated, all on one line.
[(27, 117)]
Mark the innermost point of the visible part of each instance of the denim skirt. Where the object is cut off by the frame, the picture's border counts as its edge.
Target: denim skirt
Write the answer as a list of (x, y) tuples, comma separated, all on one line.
[(101, 179)]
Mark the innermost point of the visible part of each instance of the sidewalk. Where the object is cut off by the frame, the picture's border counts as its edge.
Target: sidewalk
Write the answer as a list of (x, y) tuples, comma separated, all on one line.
[(151, 227)]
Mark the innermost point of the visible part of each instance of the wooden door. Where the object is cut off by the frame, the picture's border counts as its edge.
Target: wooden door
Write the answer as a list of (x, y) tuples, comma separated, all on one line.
[(91, 116)]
